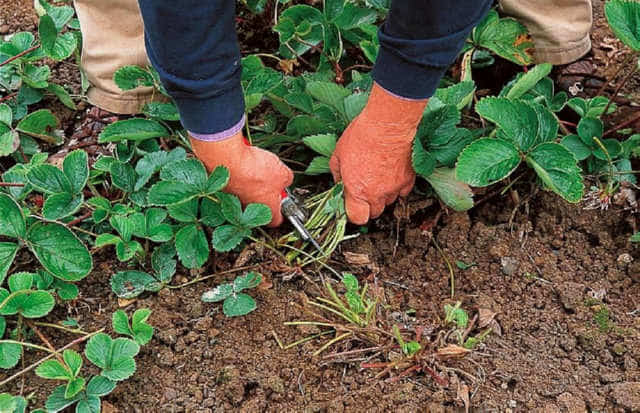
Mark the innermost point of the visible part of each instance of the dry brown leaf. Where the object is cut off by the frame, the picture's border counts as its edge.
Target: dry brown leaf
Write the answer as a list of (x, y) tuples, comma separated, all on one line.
[(287, 65), (355, 258), (485, 316), (452, 351), (108, 407), (463, 395), (124, 302)]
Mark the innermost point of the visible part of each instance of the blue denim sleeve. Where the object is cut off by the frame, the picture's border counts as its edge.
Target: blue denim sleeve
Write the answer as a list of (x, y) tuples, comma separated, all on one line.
[(420, 39), (193, 46)]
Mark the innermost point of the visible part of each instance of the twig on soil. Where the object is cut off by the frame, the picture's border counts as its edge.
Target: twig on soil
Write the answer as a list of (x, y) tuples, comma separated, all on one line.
[(615, 75), (37, 363), (45, 341), (9, 96), (80, 219), (246, 267), (620, 85), (19, 55), (395, 284), (451, 272), (472, 324), (70, 330), (624, 124)]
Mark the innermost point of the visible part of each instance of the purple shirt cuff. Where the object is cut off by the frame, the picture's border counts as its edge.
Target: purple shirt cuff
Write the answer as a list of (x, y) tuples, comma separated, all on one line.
[(219, 136)]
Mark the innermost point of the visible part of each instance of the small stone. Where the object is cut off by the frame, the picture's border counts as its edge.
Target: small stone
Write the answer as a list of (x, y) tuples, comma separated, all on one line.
[(513, 404), (509, 265), (610, 377), (571, 403), (203, 324), (4, 29), (170, 394), (571, 295), (166, 358), (168, 337), (627, 395), (624, 260)]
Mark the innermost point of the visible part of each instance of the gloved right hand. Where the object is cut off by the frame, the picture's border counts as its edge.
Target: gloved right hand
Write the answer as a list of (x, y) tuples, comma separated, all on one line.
[(373, 156), (256, 175)]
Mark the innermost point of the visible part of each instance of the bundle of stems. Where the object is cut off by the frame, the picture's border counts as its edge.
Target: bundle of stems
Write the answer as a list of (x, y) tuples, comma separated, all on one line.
[(327, 223)]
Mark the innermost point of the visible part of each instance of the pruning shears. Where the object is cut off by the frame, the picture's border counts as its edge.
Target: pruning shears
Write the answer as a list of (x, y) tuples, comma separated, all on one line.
[(292, 209), (296, 214)]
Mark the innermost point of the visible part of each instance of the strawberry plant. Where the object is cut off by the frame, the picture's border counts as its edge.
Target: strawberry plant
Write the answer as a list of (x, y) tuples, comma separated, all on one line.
[(56, 247), (28, 82), (114, 358), (137, 329), (12, 404), (235, 303), (505, 37)]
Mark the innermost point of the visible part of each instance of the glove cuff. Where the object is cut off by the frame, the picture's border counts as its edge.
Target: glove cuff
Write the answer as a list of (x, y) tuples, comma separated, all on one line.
[(396, 112)]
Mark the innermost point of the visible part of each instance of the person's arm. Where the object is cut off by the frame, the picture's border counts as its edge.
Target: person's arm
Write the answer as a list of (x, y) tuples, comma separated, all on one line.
[(420, 40), (193, 46)]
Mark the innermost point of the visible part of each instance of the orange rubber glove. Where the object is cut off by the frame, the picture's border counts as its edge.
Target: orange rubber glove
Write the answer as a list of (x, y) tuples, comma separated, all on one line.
[(256, 175), (373, 156)]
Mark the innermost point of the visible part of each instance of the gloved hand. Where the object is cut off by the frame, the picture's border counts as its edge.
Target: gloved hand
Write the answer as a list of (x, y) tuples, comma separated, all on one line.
[(256, 175), (373, 156)]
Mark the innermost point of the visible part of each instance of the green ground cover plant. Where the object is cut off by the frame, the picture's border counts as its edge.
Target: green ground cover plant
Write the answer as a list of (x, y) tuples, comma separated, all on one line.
[(158, 211)]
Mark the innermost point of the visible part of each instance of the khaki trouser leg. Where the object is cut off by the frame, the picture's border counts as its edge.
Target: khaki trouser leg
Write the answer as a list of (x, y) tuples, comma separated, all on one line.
[(113, 36), (560, 28)]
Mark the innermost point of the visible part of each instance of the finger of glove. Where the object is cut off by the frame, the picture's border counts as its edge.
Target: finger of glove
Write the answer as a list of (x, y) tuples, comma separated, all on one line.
[(334, 165), (273, 202), (376, 208), (357, 209), (406, 189)]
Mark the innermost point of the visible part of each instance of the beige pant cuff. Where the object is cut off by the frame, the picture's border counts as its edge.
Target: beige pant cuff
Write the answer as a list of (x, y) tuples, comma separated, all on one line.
[(129, 104), (565, 55)]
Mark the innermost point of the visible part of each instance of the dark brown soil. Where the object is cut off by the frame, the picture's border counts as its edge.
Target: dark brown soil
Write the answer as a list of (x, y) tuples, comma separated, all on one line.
[(564, 282)]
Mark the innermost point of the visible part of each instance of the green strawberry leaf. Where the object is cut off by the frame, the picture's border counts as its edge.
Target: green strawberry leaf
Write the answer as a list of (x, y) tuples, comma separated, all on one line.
[(73, 360), (49, 179), (255, 215), (323, 144), (130, 77), (58, 206), (135, 129), (130, 284), (624, 18), (188, 171), (74, 386), (517, 121), (12, 221), (75, 167), (192, 246), (219, 293), (53, 370), (249, 280), (227, 237), (163, 262), (59, 251), (487, 161), (123, 176), (557, 168), (8, 251), (211, 213), (56, 45), (238, 305), (114, 357)]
